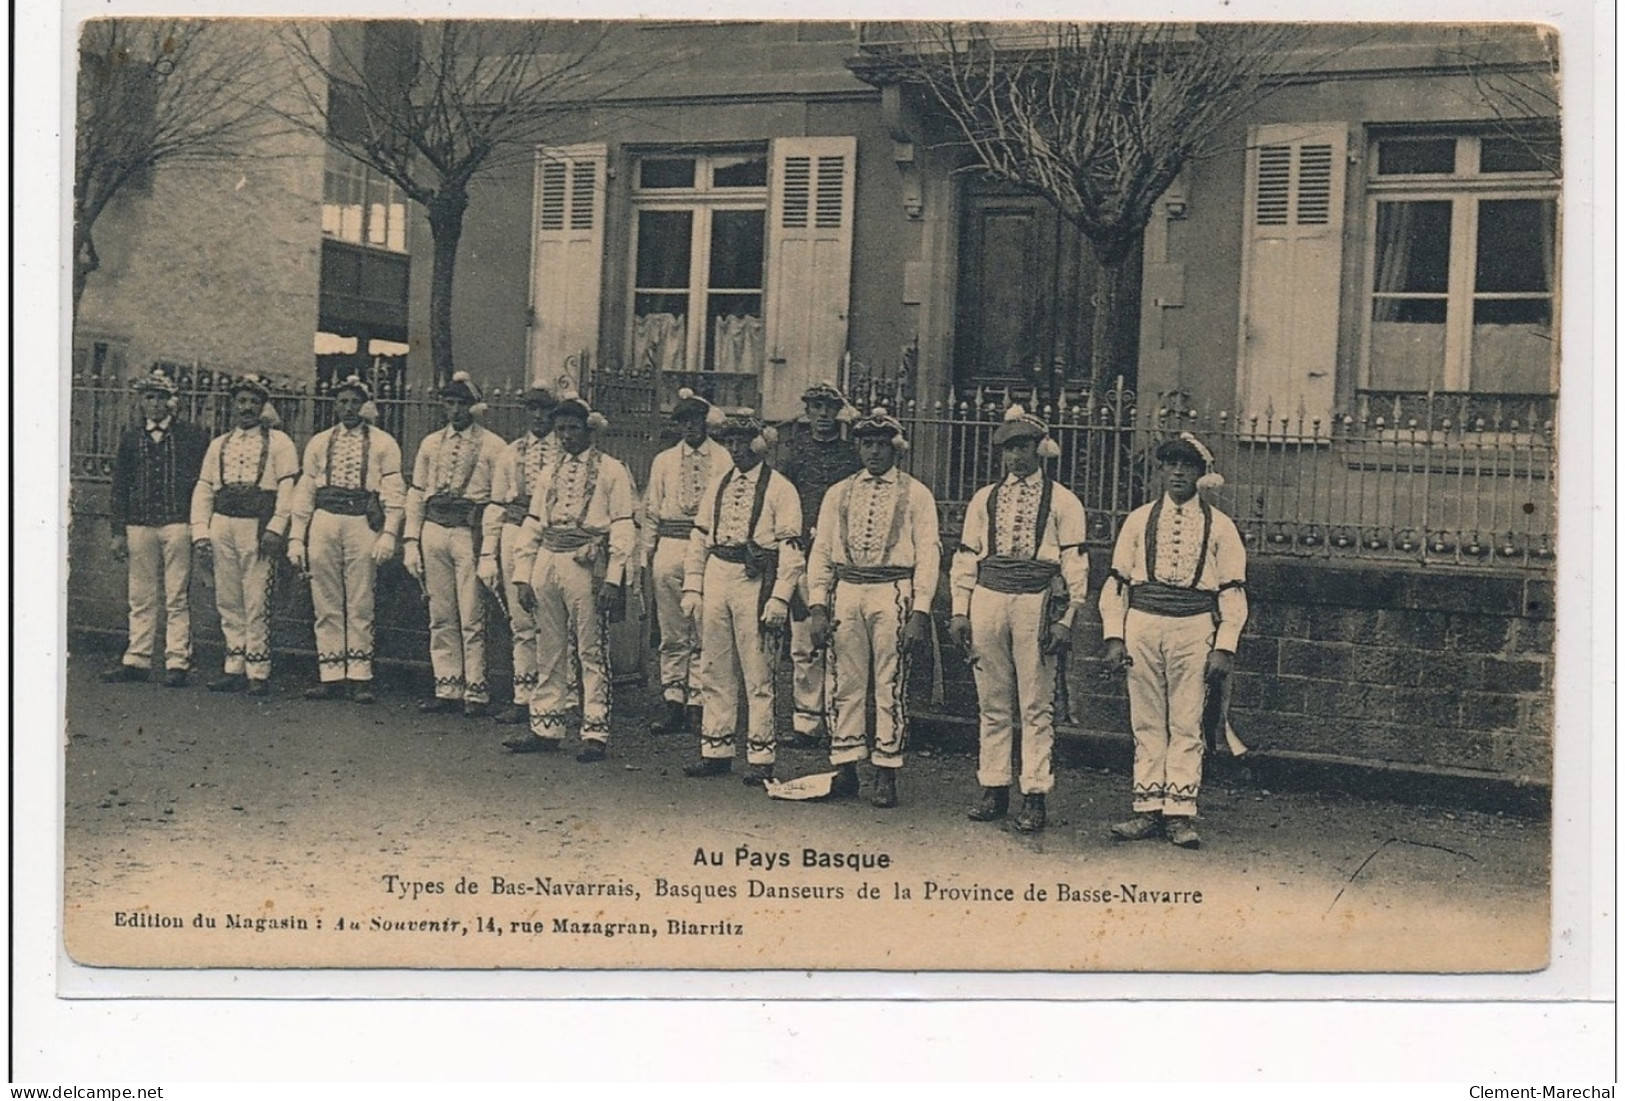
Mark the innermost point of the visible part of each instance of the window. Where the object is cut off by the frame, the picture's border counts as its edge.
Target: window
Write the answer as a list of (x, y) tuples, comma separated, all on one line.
[(1462, 283), (361, 206), (698, 259)]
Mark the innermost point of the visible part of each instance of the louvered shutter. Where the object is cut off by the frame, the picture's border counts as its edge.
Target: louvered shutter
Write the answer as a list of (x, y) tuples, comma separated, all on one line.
[(809, 266), (1291, 273), (567, 260)]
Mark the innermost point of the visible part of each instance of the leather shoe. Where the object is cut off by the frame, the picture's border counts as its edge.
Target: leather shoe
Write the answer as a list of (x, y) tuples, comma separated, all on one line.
[(476, 710), (709, 766), (885, 793), (799, 740), (674, 721), (845, 784), (592, 751), (175, 678), (757, 775), (527, 742), (327, 690), (361, 692), (119, 674), (1181, 832), (995, 804), (1139, 828), (231, 682), (1032, 816), (437, 706), (513, 715), (259, 686)]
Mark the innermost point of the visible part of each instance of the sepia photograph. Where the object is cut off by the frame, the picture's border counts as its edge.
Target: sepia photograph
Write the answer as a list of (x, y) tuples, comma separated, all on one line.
[(799, 495)]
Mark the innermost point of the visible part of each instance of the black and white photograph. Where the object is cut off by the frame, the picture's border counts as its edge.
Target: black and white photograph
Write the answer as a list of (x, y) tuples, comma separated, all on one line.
[(812, 495)]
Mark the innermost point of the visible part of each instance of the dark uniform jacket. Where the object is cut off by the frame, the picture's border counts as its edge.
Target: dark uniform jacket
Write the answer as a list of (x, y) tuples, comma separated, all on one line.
[(153, 482)]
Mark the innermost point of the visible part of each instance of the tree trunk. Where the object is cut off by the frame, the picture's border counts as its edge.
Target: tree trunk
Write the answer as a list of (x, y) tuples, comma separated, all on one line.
[(85, 261), (1104, 338), (446, 227)]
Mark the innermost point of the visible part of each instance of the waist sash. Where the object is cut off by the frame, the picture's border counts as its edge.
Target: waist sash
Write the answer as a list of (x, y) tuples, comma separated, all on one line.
[(1016, 575), (674, 529), (514, 512), (1156, 598), (871, 575), (734, 554), (342, 502), (449, 511), (565, 540), (246, 502)]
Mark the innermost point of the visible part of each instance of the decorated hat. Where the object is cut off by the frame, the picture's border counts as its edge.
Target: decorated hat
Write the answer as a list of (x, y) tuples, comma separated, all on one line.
[(824, 390), (689, 404), (881, 423), (741, 421), (355, 384), (571, 402), (463, 387), (1188, 448), (1021, 425), (540, 396), (156, 382)]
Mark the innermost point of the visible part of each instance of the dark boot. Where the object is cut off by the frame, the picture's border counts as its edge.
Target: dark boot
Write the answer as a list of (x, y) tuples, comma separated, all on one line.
[(259, 686), (592, 751), (231, 682), (119, 674), (1032, 816), (674, 721), (757, 775), (995, 804), (885, 793), (845, 785), (513, 714), (327, 690), (709, 766), (696, 717)]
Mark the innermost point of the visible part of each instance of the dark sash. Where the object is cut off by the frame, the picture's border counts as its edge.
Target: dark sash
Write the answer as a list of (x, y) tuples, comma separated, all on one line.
[(1003, 574), (450, 512), (674, 529), (871, 575), (1172, 600), (245, 502), (343, 502)]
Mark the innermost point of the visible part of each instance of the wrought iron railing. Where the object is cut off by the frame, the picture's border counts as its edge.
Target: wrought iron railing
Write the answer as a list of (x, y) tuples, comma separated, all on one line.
[(1427, 486)]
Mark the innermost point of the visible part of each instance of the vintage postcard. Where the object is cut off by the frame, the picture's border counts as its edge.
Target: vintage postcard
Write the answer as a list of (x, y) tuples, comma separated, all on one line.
[(813, 495)]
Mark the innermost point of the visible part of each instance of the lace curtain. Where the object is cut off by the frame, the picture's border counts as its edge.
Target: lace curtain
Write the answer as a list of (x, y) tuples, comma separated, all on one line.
[(659, 342), (739, 342)]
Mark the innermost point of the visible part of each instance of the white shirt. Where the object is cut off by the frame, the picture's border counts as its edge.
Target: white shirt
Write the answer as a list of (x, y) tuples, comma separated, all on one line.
[(1224, 568), (1015, 529), (870, 520)]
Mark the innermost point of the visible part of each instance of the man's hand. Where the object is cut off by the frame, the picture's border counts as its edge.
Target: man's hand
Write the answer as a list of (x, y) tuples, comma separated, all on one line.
[(296, 555), (775, 613), (204, 551), (383, 548), (526, 594), (959, 631), (1220, 664), (612, 601), (486, 571), (819, 628), (412, 558), (1057, 637), (271, 544), (691, 605), (121, 547), (1116, 656), (917, 630)]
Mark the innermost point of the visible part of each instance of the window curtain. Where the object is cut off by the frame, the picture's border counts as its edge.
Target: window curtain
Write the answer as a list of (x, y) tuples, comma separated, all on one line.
[(659, 342), (1405, 355), (739, 342), (1515, 357)]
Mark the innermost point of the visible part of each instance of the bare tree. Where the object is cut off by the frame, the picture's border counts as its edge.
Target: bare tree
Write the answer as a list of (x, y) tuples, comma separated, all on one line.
[(1098, 118), (1515, 73), (154, 93), (433, 105)]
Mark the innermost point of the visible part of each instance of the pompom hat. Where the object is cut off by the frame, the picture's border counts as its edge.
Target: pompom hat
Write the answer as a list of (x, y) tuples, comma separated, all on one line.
[(879, 422), (690, 404), (355, 384), (572, 402), (1186, 446), (254, 384), (741, 421), (462, 386), (1020, 425), (825, 390)]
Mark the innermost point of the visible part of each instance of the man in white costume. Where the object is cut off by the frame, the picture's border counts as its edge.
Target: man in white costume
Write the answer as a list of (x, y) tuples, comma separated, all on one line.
[(571, 560), (872, 573), (1019, 577), (241, 509), (347, 511)]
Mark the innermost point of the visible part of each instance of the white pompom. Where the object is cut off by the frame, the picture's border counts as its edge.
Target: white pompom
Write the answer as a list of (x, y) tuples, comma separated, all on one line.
[(459, 376), (770, 435), (478, 408), (1014, 413), (369, 412), (1210, 481), (597, 421), (715, 417), (1049, 449), (684, 393), (848, 414), (269, 417), (879, 411)]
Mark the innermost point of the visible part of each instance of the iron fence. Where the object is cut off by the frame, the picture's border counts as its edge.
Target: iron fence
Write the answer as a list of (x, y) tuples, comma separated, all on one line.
[(1412, 480)]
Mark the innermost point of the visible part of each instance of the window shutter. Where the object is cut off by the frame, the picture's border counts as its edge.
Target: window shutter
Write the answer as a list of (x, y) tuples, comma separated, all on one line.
[(809, 266), (1291, 273), (567, 260)]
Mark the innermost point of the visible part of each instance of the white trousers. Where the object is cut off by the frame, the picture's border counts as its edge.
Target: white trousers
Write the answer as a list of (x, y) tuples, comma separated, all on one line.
[(160, 564), (869, 621), (1013, 671), (570, 641), (242, 594), (343, 581), (456, 614), (520, 622), (1166, 687), (808, 671), (731, 657), (679, 637)]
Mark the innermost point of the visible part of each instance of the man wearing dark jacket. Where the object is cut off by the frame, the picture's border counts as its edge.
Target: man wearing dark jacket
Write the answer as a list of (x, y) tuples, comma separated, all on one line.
[(154, 472)]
